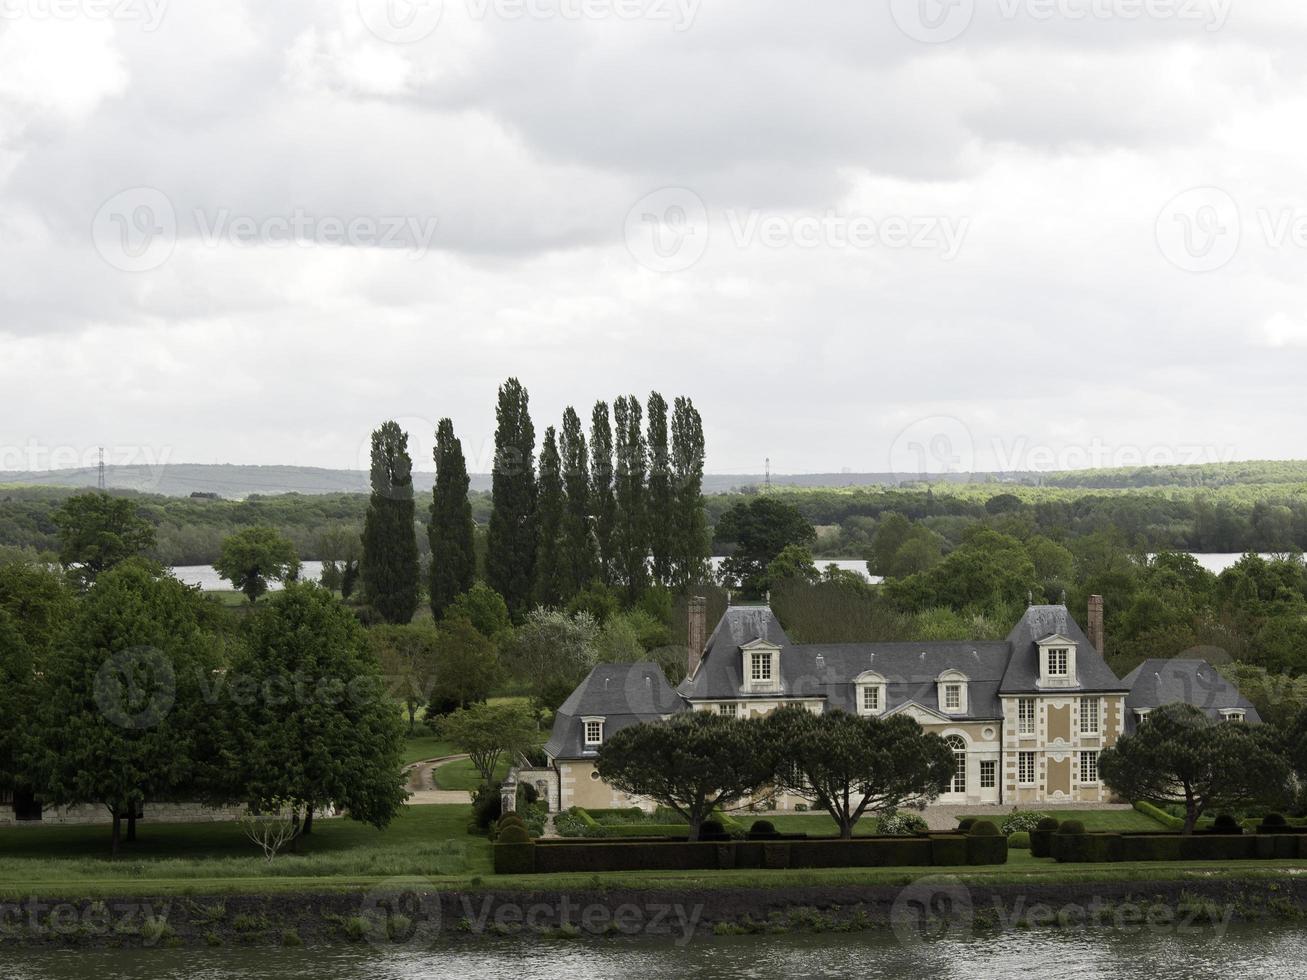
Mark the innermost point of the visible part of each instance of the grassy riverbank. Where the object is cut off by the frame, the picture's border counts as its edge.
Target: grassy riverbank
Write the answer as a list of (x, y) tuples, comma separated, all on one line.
[(431, 842)]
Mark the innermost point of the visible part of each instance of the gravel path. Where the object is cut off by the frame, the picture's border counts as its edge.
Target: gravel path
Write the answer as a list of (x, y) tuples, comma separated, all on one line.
[(422, 786), (945, 816)]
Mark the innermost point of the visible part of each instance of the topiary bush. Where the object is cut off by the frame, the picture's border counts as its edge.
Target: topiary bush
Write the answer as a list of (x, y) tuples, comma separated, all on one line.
[(1226, 824), (896, 824), (761, 828), (1274, 820), (711, 828), (1041, 838), (1018, 821), (1020, 841), (1072, 827), (984, 828), (1048, 823), (965, 823), (487, 806), (514, 834)]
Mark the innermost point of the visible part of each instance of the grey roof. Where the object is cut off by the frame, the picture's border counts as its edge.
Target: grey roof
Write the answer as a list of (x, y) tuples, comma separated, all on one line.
[(1159, 681), (1039, 623), (621, 694)]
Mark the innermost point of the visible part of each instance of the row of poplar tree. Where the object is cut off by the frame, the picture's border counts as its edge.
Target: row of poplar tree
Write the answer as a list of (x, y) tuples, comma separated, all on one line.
[(623, 508)]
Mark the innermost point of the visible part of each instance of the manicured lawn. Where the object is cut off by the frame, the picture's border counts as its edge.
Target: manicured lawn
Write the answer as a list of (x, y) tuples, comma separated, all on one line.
[(461, 774), (812, 824), (1123, 820), (426, 746)]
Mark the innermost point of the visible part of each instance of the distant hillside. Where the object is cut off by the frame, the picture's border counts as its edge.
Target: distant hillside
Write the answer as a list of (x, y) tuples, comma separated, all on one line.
[(238, 482)]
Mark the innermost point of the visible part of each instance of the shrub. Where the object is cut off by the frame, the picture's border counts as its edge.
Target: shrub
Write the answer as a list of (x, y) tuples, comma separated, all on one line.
[(1020, 841), (985, 845), (1167, 820), (1048, 823), (712, 828), (760, 827), (984, 828), (515, 859), (1226, 824), (487, 807), (892, 823), (949, 850), (1072, 827), (513, 834), (1274, 820), (569, 825), (965, 823), (1041, 843), (1017, 821)]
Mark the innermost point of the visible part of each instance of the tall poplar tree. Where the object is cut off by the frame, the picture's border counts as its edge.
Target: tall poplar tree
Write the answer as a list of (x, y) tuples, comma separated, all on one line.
[(390, 547), (511, 543), (690, 545), (551, 506), (603, 505), (630, 533), (453, 557), (578, 546), (661, 503)]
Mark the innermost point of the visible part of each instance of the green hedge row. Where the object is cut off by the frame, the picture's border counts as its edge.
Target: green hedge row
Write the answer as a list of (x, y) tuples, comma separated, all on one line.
[(949, 850), (1160, 815), (1093, 848)]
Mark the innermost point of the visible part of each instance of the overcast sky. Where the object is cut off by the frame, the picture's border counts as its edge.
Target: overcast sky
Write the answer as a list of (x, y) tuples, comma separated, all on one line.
[(860, 234)]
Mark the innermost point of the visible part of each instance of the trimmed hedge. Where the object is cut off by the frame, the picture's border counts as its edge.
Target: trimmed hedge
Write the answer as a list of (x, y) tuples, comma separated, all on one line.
[(1041, 838), (985, 845), (1019, 841), (1160, 815), (1097, 848), (662, 855)]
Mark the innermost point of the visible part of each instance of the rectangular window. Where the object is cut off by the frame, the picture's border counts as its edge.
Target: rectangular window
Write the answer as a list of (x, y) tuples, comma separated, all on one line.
[(1089, 716), (594, 732), (1089, 767), (988, 774), (871, 699), (1026, 716), (1026, 768), (1057, 663), (952, 697), (760, 669), (729, 710)]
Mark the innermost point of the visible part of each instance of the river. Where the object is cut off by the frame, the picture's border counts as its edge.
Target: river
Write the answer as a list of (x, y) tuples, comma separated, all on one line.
[(1249, 952)]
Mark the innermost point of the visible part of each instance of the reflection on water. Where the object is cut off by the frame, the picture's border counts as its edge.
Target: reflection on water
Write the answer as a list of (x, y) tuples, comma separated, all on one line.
[(1248, 952)]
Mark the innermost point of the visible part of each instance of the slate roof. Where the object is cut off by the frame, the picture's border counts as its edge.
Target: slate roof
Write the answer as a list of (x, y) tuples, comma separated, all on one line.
[(622, 694), (1041, 622), (1159, 681)]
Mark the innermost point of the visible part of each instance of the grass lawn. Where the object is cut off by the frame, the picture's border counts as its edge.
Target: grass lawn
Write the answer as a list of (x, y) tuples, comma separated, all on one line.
[(812, 824), (1123, 820), (461, 774), (426, 746), (432, 842)]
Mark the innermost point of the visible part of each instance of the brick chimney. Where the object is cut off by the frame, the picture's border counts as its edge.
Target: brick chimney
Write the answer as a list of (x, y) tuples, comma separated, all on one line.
[(697, 634), (1096, 634)]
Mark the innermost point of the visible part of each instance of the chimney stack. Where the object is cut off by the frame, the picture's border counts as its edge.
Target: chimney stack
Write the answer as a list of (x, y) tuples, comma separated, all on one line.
[(1096, 634), (698, 633)]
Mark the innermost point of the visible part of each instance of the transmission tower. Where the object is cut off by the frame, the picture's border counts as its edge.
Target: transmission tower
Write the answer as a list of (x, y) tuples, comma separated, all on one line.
[(101, 481)]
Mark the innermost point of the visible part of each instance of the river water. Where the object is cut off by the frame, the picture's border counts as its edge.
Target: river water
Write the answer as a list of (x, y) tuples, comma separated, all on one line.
[(1248, 952)]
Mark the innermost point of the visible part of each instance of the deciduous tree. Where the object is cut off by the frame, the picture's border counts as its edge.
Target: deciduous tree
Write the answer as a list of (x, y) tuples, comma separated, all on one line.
[(487, 732), (390, 549), (453, 555), (578, 541), (689, 524), (603, 503), (252, 557), (511, 547), (551, 507), (631, 530), (97, 532)]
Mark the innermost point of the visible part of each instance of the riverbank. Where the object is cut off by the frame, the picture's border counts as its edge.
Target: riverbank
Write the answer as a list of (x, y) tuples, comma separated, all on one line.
[(420, 912)]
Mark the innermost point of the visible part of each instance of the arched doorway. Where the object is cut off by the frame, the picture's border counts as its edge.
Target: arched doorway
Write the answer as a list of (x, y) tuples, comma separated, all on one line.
[(958, 784)]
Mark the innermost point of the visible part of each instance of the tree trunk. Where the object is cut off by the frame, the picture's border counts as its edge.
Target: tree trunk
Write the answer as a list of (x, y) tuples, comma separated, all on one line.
[(695, 823), (846, 828), (117, 830), (295, 832), (308, 820), (1191, 815), (131, 825)]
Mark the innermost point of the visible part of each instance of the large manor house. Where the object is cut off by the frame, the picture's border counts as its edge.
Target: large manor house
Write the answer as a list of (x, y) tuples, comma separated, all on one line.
[(1026, 716)]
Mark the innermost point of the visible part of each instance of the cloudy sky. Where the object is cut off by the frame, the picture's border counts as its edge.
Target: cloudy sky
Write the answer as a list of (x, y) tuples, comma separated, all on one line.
[(860, 234)]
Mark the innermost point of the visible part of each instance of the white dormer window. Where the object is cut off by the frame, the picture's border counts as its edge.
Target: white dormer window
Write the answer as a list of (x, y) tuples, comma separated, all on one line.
[(594, 731), (952, 692), (1233, 714), (870, 688), (1057, 662), (762, 668)]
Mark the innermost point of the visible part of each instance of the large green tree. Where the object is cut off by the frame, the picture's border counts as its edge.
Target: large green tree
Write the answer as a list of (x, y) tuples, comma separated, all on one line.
[(662, 514), (451, 531), (484, 608), (407, 654), (851, 765), (511, 546), (578, 542), (550, 653), (97, 532), (551, 508), (390, 549), (467, 667), (631, 530), (759, 531), (123, 710), (18, 702), (308, 720), (487, 733), (1179, 755), (689, 525), (603, 503), (692, 763), (252, 557)]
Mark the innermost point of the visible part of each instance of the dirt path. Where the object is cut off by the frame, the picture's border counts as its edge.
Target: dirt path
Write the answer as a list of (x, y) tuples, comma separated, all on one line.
[(422, 785)]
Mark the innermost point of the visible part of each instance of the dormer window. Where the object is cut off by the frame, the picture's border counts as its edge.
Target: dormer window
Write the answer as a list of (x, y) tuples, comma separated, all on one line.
[(761, 667), (1233, 714), (594, 732), (952, 692), (870, 689), (1057, 662)]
